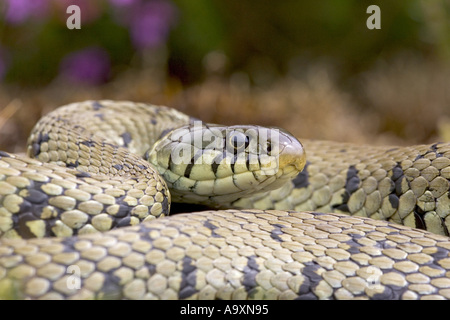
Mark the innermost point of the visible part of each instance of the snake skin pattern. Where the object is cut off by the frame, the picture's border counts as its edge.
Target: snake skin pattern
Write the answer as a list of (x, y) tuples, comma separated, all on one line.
[(406, 185), (97, 182)]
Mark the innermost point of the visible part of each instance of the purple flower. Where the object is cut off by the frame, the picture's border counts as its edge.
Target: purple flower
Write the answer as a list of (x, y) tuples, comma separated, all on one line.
[(151, 23), (17, 11), (89, 66)]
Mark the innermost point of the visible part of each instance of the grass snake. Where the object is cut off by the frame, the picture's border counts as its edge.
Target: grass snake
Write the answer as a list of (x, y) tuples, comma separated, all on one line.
[(359, 222)]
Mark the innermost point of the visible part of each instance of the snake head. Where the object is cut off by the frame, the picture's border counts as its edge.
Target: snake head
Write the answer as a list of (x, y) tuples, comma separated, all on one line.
[(217, 165)]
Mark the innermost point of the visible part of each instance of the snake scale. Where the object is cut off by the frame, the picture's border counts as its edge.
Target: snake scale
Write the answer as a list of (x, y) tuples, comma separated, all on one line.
[(283, 242)]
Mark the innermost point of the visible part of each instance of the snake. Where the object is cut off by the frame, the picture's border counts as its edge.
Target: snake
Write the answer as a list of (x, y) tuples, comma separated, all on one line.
[(85, 214)]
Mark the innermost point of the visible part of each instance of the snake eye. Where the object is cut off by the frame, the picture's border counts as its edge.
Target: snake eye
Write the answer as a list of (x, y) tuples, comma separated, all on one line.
[(268, 147), (238, 140)]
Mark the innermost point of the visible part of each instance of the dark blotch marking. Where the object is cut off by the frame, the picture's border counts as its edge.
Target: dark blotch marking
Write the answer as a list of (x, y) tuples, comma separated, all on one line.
[(118, 166), (302, 179), (97, 105), (394, 201), (276, 232), (398, 185), (312, 279), (25, 206), (128, 165), (124, 210), (153, 121), (433, 149), (398, 178), (124, 222), (188, 279), (36, 196), (397, 172), (351, 185), (111, 289), (69, 243), (43, 138), (147, 154), (251, 270), (88, 143), (21, 226), (212, 227), (36, 147), (100, 115), (353, 243), (352, 182), (82, 174), (165, 205), (390, 292), (4, 154), (126, 138), (441, 253), (73, 165)]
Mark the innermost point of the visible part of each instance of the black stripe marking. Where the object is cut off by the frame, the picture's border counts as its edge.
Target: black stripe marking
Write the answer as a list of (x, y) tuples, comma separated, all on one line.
[(216, 162), (302, 179), (189, 166), (188, 169)]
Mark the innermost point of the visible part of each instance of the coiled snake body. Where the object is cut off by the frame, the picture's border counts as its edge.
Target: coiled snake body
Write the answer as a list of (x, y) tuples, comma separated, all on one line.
[(281, 243)]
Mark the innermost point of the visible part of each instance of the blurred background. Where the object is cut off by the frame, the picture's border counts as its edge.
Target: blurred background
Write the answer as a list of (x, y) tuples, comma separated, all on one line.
[(311, 67)]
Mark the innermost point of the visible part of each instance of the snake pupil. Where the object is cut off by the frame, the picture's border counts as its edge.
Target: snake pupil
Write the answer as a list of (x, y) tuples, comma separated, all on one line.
[(268, 147)]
